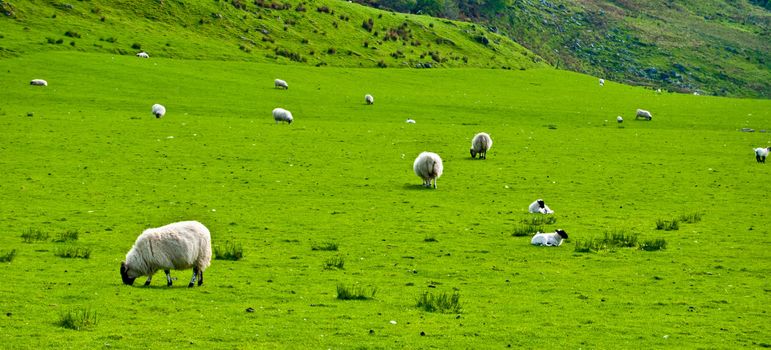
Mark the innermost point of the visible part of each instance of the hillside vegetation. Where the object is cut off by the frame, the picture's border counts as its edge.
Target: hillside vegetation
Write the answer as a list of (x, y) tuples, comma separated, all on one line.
[(316, 32)]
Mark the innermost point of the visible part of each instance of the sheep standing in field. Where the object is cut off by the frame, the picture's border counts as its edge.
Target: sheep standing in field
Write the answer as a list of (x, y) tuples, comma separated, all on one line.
[(369, 99), (280, 84), (143, 55), (641, 113), (428, 166), (602, 82), (177, 246), (539, 207), (159, 110), (38, 82), (553, 239), (761, 154), (282, 115), (620, 119), (480, 144)]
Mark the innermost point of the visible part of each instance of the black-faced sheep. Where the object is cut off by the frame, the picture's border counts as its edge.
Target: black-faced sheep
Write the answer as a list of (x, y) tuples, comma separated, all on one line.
[(177, 246), (480, 144), (159, 110), (602, 82), (38, 82), (643, 114), (428, 166), (280, 84), (539, 207), (620, 119), (761, 154), (553, 239), (282, 115), (143, 55)]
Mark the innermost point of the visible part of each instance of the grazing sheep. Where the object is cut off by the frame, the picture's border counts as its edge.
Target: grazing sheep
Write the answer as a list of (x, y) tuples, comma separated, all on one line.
[(539, 207), (553, 239), (282, 115), (143, 55), (159, 110), (177, 246), (619, 119), (480, 144), (280, 84), (602, 82), (761, 154), (410, 121), (428, 166), (641, 113), (369, 99), (38, 82)]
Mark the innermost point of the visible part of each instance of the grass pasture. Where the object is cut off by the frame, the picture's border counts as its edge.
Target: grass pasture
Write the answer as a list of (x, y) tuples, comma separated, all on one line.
[(85, 155)]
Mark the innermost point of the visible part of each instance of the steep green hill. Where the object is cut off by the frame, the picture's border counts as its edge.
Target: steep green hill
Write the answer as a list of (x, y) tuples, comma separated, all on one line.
[(316, 32)]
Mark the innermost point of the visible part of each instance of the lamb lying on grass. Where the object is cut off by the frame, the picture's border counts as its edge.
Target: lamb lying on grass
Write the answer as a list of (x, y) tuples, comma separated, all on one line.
[(539, 207), (38, 82), (178, 246), (553, 239)]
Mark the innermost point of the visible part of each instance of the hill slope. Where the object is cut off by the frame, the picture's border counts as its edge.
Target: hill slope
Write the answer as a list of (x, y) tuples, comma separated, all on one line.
[(318, 32)]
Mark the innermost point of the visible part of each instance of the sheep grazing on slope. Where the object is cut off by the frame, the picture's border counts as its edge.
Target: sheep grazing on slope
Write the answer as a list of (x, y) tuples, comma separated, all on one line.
[(369, 99), (480, 144), (143, 55), (177, 246), (159, 110), (553, 239), (280, 84), (619, 119), (761, 154), (641, 113), (602, 82), (539, 207), (38, 82), (428, 166), (282, 115)]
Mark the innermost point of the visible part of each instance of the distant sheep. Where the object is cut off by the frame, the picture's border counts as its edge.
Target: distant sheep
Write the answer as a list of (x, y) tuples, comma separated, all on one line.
[(602, 82), (480, 144), (539, 207), (619, 119), (428, 166), (761, 154), (410, 121), (143, 55), (553, 239), (177, 246), (38, 82), (282, 115), (159, 110), (369, 99), (280, 84), (641, 113)]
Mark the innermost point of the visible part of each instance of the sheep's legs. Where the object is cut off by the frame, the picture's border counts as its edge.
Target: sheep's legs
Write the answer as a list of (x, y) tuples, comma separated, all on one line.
[(195, 274), (168, 277), (149, 278)]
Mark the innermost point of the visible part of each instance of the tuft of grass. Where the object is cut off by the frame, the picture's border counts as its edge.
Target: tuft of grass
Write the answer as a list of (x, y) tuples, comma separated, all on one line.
[(7, 256), (334, 263), (326, 246), (667, 225), (78, 319), (540, 220), (73, 252), (430, 239), (653, 244), (690, 218), (231, 251), (354, 293), (620, 239), (526, 230), (69, 235), (589, 245), (33, 235), (442, 303)]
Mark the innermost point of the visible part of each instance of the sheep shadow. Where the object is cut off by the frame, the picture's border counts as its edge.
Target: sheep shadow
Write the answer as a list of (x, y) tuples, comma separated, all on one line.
[(416, 187)]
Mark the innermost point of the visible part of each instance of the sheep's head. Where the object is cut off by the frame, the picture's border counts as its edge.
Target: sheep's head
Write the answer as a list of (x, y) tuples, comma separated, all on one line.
[(562, 234), (473, 154), (541, 204), (157, 115), (124, 274)]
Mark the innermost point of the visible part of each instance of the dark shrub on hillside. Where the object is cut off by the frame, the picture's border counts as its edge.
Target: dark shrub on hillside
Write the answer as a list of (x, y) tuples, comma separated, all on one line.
[(368, 24)]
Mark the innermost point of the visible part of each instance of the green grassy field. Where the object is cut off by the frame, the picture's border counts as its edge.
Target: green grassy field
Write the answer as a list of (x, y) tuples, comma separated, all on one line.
[(85, 155)]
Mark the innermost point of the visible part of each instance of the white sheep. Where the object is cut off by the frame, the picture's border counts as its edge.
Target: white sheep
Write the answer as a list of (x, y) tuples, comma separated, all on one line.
[(553, 239), (143, 55), (761, 154), (480, 144), (619, 119), (177, 246), (38, 82), (641, 113), (410, 121), (602, 82), (428, 166), (539, 207), (280, 84), (369, 99), (159, 110), (282, 115)]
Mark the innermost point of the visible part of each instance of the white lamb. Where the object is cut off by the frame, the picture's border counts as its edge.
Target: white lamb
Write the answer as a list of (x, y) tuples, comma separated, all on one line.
[(641, 113), (280, 84), (410, 121), (428, 166), (553, 239), (282, 115), (480, 144), (369, 99), (761, 154), (143, 55), (539, 207), (619, 119), (159, 110), (602, 82), (38, 82), (177, 246)]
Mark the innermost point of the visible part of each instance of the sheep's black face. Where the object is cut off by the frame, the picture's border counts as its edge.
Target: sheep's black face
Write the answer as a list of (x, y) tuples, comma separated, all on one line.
[(473, 154), (157, 115), (562, 234), (124, 274), (541, 203)]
